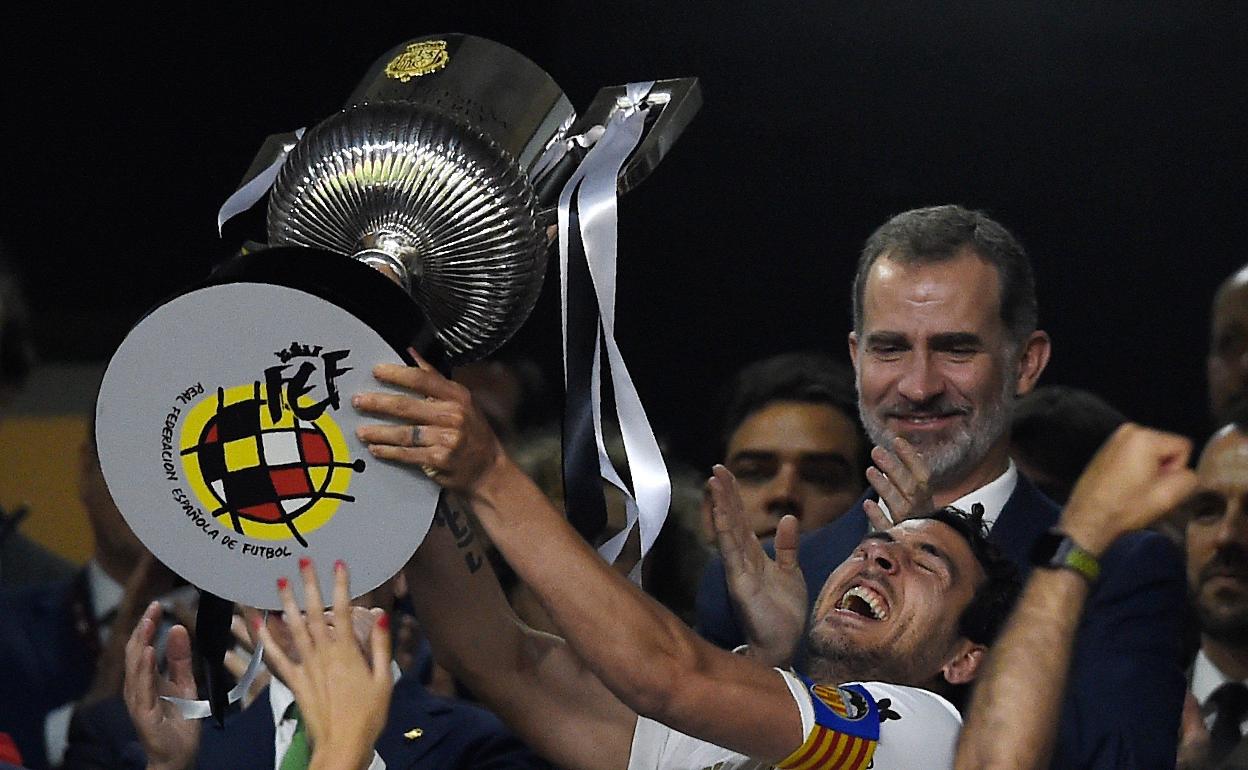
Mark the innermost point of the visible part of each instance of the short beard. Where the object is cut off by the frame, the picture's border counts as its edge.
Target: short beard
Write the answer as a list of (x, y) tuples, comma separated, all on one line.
[(1230, 629), (830, 662), (949, 461)]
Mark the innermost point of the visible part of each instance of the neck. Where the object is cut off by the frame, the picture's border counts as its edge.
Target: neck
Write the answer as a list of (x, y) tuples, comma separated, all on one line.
[(1232, 661), (989, 469)]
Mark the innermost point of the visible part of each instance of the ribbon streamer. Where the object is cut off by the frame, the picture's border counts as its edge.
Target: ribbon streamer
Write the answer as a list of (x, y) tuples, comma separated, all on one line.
[(246, 196), (200, 709), (594, 185)]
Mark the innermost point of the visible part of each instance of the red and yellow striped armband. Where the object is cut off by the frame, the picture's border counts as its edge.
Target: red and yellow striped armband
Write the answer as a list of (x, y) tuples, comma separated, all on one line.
[(846, 731)]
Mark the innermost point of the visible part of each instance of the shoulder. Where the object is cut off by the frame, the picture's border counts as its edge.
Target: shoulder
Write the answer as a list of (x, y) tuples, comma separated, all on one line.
[(914, 723), (447, 733), (25, 562)]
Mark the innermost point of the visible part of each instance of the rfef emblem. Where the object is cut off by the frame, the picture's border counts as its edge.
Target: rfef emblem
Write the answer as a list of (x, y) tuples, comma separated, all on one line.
[(418, 59)]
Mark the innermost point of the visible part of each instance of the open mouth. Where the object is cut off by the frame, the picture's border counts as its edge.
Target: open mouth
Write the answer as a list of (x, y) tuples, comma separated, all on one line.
[(864, 601)]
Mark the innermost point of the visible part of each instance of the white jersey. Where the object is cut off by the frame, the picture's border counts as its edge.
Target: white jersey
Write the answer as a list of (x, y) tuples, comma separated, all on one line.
[(917, 729)]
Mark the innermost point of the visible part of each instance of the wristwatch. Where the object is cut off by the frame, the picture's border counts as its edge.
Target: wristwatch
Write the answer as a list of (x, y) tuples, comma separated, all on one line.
[(1055, 550)]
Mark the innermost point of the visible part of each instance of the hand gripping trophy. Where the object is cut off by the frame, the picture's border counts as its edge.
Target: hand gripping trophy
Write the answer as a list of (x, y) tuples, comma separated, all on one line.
[(418, 216)]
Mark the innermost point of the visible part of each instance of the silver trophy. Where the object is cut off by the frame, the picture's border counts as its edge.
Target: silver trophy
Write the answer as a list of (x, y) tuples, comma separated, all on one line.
[(443, 171)]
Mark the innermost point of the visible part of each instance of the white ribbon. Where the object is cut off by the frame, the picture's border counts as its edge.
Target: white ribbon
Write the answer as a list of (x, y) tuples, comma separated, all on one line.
[(246, 196), (595, 184), (201, 709)]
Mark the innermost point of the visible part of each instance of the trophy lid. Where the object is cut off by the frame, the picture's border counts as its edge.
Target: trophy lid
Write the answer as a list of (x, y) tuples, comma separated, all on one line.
[(487, 85)]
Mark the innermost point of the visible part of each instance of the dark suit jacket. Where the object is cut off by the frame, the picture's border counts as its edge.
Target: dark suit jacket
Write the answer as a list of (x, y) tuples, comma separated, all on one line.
[(453, 734), (1125, 693), (44, 662), (24, 562)]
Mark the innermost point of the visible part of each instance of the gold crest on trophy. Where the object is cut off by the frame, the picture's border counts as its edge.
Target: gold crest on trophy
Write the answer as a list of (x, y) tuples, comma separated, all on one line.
[(418, 59)]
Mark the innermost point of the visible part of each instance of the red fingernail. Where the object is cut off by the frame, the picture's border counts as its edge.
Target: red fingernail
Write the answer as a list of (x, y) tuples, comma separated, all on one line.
[(255, 624), (304, 562), (383, 622), (282, 583), (340, 565)]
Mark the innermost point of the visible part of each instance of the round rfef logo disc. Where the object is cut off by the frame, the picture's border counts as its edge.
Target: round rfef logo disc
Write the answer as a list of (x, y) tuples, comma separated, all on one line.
[(227, 438)]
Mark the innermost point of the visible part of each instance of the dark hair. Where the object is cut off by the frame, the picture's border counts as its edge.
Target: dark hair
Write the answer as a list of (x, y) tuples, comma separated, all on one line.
[(1058, 429), (940, 233), (985, 616), (808, 377)]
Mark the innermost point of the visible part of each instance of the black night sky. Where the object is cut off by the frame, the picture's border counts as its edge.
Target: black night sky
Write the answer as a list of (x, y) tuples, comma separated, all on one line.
[(1111, 139)]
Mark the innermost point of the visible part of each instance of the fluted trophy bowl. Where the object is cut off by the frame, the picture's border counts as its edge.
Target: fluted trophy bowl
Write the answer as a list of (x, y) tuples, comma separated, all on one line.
[(428, 199)]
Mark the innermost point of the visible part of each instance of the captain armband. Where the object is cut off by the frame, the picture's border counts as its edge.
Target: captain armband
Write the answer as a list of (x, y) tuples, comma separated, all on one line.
[(846, 731)]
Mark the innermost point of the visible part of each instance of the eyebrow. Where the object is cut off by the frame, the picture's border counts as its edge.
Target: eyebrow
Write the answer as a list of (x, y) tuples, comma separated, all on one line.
[(923, 545), (951, 340), (886, 338)]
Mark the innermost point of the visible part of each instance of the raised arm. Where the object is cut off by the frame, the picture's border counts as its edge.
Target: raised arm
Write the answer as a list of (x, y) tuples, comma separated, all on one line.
[(641, 652), (1136, 477), (532, 680)]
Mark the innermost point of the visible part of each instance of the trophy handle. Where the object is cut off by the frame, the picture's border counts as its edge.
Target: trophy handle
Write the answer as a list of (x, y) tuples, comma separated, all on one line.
[(672, 103)]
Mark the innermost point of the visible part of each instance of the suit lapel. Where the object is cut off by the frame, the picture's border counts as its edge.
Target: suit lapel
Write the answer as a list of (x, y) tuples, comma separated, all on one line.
[(1026, 515)]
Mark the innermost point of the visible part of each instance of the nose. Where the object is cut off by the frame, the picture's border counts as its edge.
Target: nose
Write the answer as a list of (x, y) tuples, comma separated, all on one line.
[(783, 491), (921, 380), (880, 553)]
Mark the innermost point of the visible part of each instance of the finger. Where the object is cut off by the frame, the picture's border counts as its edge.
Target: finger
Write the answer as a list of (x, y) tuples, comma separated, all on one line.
[(433, 457), (403, 435), (427, 381), (420, 361), (786, 542), (236, 661), (875, 514), (406, 408), (888, 492), (914, 464), (727, 513), (238, 627), (380, 645), (1169, 491), (274, 656), (293, 617), (312, 601), (141, 635), (145, 680), (178, 662), (738, 546), (895, 471), (342, 599)]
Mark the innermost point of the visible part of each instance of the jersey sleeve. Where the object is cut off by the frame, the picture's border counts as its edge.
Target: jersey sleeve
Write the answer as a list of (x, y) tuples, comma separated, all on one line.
[(871, 724)]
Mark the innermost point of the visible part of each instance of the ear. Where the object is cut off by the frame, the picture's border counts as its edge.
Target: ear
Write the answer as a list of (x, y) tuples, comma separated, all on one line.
[(853, 349), (1033, 357), (963, 663)]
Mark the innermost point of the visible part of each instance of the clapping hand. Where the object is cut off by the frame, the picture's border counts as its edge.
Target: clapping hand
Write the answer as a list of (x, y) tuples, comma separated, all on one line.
[(343, 691), (770, 595)]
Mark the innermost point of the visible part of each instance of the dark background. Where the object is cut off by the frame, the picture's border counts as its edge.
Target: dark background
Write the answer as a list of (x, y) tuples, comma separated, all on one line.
[(1110, 139)]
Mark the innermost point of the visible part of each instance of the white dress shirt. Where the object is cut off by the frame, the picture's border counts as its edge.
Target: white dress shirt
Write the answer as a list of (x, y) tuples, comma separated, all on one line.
[(1205, 679), (993, 496)]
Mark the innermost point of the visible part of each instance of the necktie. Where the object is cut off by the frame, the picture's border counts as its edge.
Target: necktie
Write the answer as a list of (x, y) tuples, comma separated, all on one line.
[(299, 753), (1231, 702)]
